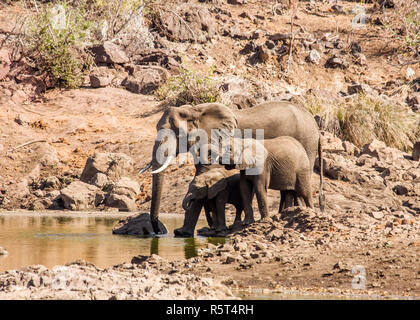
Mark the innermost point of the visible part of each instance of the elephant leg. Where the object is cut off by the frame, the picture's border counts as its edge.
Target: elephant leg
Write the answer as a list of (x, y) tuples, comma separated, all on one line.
[(282, 200), (304, 190), (220, 209), (190, 220), (261, 193), (238, 220), (288, 202), (247, 195), (209, 218)]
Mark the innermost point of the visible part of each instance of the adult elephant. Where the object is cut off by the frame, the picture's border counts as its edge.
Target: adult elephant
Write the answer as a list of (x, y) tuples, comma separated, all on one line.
[(276, 118)]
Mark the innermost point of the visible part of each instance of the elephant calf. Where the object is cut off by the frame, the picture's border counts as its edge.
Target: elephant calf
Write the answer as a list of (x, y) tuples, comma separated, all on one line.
[(285, 167), (212, 187)]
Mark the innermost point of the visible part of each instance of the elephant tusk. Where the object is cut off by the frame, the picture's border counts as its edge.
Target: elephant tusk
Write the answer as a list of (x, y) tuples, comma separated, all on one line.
[(165, 165), (145, 168)]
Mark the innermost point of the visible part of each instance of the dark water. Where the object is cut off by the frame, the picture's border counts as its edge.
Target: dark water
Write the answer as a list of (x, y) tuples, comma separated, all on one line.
[(57, 240)]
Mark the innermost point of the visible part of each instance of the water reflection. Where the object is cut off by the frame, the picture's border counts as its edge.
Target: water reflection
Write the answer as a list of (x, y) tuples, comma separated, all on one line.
[(154, 246), (57, 240)]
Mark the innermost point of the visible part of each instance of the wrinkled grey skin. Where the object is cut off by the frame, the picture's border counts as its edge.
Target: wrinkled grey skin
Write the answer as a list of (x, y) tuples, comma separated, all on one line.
[(212, 188), (286, 168), (277, 118)]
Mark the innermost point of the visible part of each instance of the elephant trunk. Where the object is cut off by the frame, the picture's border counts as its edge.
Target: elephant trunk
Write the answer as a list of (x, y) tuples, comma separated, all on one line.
[(157, 186), (186, 203)]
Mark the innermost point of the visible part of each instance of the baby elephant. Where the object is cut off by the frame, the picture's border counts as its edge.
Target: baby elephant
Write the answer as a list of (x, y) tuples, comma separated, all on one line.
[(212, 187), (280, 164)]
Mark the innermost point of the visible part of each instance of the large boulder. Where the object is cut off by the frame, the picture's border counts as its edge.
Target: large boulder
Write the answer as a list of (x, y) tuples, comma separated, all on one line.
[(136, 225), (157, 57), (109, 53), (123, 194), (113, 165), (101, 77), (81, 196), (190, 23), (379, 150), (145, 79)]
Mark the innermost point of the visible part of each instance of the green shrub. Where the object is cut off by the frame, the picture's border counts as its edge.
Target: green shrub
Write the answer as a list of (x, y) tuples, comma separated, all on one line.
[(57, 41), (189, 87), (365, 118)]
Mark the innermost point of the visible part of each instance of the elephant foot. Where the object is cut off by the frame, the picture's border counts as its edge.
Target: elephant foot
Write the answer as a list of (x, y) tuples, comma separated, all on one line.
[(180, 232), (265, 219), (248, 221), (221, 229), (204, 229), (237, 225)]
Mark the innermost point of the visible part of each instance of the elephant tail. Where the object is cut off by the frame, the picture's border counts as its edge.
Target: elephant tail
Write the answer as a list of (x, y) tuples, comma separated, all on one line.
[(321, 178)]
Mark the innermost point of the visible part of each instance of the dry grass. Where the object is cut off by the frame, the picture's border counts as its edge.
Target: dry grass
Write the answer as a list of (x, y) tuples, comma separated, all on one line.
[(365, 118)]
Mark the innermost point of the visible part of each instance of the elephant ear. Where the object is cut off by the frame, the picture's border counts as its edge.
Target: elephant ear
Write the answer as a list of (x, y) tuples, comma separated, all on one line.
[(248, 153), (216, 188), (216, 116)]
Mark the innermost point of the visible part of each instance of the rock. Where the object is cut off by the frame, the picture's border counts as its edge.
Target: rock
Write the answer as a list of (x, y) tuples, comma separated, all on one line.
[(355, 48), (337, 8), (81, 196), (136, 225), (233, 86), (336, 62), (46, 154), (416, 151), (229, 259), (379, 150), (358, 88), (157, 57), (377, 215), (276, 37), (413, 100), (145, 80), (350, 148), (33, 85), (123, 195), (101, 77), (243, 101), (113, 165), (22, 120), (139, 259), (314, 57), (190, 23), (237, 2), (100, 180), (400, 189), (387, 3), (109, 53), (3, 252), (5, 63), (52, 183)]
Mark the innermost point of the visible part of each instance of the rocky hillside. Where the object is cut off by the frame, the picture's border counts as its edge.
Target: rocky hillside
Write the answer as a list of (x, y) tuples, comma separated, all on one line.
[(80, 148)]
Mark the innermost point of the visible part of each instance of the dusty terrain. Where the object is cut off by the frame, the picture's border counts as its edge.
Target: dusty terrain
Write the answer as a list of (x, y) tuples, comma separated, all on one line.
[(372, 219)]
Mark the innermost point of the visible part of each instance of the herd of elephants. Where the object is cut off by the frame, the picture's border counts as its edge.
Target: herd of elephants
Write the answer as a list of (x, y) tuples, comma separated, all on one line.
[(291, 143)]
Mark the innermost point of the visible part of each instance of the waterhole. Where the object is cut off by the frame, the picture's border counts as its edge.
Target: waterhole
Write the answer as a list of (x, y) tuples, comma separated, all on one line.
[(58, 239)]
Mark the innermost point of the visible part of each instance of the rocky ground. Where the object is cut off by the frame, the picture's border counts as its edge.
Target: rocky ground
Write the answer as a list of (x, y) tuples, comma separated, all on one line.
[(80, 149)]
